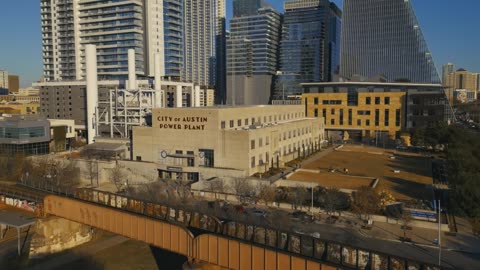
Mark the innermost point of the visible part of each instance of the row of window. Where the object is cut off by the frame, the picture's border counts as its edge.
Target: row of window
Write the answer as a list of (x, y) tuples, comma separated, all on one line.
[(291, 148), (258, 120), (367, 121), (22, 133), (386, 100)]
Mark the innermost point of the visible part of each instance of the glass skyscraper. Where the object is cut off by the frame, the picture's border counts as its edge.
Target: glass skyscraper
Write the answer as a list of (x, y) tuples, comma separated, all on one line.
[(383, 37), (246, 7), (309, 49), (252, 49)]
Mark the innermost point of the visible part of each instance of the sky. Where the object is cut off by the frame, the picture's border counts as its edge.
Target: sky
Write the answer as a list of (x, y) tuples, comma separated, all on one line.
[(451, 29)]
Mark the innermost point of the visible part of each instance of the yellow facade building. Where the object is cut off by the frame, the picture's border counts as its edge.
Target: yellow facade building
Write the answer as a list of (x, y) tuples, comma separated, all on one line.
[(375, 112), (198, 143), (19, 108), (362, 110), (461, 80)]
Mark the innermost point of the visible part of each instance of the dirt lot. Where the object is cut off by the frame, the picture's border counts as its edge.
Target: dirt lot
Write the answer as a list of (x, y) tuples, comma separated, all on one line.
[(327, 179), (410, 183)]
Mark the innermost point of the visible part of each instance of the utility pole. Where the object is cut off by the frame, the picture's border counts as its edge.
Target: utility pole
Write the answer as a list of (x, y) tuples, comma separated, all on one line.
[(439, 234)]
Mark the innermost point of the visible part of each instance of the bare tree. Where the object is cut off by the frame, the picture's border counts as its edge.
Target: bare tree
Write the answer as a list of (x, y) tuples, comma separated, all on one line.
[(183, 190), (266, 193), (92, 171), (242, 189), (405, 219), (297, 196), (118, 177), (66, 176), (366, 202), (333, 201)]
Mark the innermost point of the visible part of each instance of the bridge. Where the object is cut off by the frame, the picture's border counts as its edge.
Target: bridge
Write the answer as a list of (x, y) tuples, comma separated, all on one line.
[(203, 238)]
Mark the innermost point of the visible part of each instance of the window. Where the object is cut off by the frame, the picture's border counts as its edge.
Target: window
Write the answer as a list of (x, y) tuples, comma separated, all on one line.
[(397, 118), (387, 100), (231, 123), (252, 162), (190, 159), (267, 140), (359, 122), (363, 112), (341, 116), (368, 100), (267, 157), (350, 117), (367, 122), (315, 112), (377, 117), (223, 125), (332, 111), (239, 122), (260, 142), (332, 121), (246, 121), (252, 144), (206, 158), (315, 101), (387, 116), (377, 100), (324, 113)]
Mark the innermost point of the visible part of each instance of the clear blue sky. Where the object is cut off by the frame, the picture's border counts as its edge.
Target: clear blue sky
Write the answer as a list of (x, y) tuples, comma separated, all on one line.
[(451, 28)]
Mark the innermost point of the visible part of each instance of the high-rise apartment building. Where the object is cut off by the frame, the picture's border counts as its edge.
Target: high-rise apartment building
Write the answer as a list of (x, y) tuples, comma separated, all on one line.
[(204, 22), (3, 79), (460, 80), (383, 37), (148, 26), (310, 45), (252, 49)]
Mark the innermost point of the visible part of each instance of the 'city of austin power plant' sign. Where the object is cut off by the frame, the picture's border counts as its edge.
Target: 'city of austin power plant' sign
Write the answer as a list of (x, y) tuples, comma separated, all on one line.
[(182, 123)]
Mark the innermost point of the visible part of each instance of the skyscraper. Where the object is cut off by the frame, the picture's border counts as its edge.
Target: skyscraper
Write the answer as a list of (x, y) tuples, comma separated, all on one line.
[(383, 37), (309, 48), (252, 49), (148, 26), (246, 7), (204, 22), (4, 79)]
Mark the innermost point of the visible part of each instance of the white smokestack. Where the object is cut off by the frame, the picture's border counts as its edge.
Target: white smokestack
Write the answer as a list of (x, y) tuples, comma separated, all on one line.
[(92, 91), (158, 71), (158, 81), (132, 77)]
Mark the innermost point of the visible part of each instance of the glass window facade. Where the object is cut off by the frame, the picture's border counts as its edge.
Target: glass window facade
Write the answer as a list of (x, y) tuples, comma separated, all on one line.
[(384, 38), (306, 48)]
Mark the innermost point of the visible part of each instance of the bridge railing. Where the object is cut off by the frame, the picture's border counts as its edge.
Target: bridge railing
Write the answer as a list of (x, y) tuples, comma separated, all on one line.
[(302, 245)]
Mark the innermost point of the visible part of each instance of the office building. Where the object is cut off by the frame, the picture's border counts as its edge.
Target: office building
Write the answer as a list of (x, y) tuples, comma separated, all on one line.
[(20, 107), (246, 7), (460, 79), (149, 27), (384, 38), (199, 143), (204, 23), (34, 135), (13, 83), (310, 45), (447, 69), (368, 110), (252, 49)]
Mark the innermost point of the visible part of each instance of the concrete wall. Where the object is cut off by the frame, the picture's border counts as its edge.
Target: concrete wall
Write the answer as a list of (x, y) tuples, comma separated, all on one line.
[(53, 235)]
